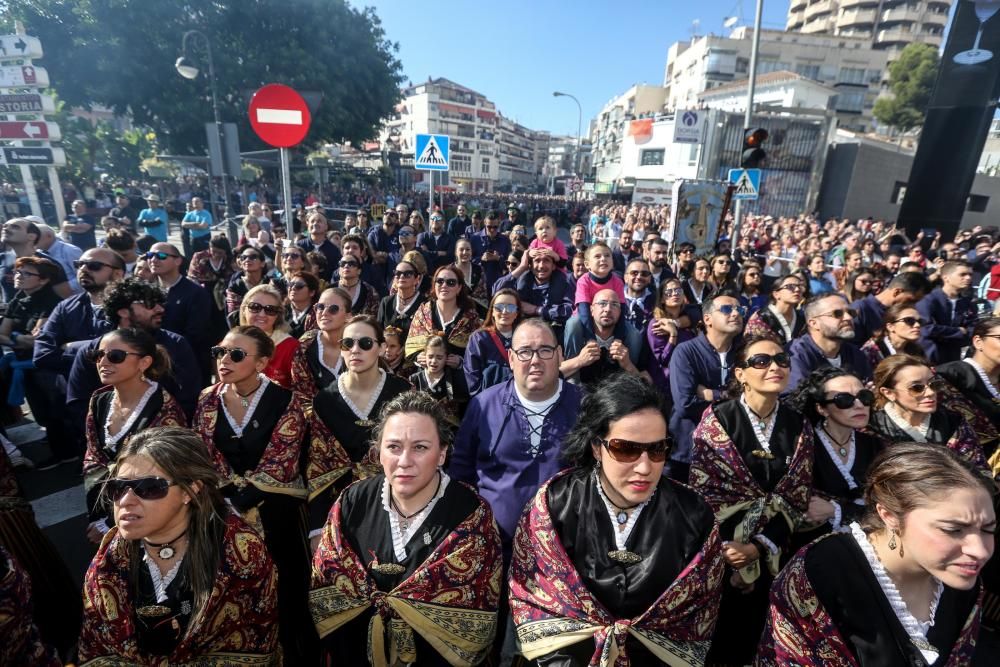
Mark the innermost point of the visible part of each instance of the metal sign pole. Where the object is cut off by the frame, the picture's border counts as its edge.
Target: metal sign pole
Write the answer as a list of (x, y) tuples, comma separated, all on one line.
[(286, 187), (748, 113), (430, 193), (57, 197)]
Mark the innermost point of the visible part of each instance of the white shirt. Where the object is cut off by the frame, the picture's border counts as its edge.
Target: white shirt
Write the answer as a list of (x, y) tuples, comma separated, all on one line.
[(536, 411)]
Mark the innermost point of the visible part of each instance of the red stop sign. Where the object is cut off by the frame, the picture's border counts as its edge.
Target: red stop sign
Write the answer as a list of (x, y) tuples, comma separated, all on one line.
[(279, 115)]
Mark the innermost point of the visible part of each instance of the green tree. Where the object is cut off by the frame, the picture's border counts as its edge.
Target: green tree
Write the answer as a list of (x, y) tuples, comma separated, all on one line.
[(121, 53), (911, 82)]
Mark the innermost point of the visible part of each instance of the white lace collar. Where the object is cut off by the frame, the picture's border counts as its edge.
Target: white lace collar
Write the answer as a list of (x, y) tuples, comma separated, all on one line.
[(322, 361), (127, 426), (981, 372), (402, 306), (888, 345), (362, 414), (445, 325), (403, 529), (762, 428), (916, 630), (842, 466), (297, 315), (918, 433), (239, 428), (621, 536), (786, 326), (161, 581)]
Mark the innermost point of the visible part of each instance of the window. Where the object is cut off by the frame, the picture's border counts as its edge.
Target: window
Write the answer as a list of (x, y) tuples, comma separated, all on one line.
[(651, 157), (742, 65), (808, 71), (461, 163), (486, 166), (851, 101), (854, 75), (978, 203)]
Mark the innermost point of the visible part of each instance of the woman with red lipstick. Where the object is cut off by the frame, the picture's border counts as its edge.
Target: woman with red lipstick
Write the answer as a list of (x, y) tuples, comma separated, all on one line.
[(254, 430), (753, 461), (902, 587), (612, 556), (128, 362), (449, 313), (180, 579), (318, 361), (263, 308), (907, 410), (409, 563)]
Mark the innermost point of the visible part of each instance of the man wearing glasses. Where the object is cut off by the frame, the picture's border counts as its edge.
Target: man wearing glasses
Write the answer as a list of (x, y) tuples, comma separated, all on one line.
[(639, 298), (490, 249), (829, 328), (590, 361), (544, 291)]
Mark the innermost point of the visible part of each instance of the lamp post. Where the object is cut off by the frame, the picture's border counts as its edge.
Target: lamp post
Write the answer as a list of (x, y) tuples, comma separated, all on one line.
[(187, 69), (578, 164)]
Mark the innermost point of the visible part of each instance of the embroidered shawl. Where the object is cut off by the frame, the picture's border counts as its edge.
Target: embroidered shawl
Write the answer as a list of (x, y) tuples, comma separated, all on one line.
[(327, 461), (21, 643), (303, 379), (985, 430), (422, 328)]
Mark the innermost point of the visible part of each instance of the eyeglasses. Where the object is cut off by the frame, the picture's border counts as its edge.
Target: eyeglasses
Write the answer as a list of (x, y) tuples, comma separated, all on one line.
[(450, 282), (22, 273), (607, 304), (920, 388), (673, 291), (792, 287), (844, 400), (149, 304), (492, 226), (236, 354), (145, 488), (256, 308), (911, 321), (437, 219), (404, 274), (291, 255), (405, 233), (544, 352), (162, 256), (114, 356), (761, 361), (840, 312), (93, 264), (249, 258), (728, 309), (505, 307), (366, 343), (344, 264), (642, 274), (332, 308), (296, 285), (627, 451)]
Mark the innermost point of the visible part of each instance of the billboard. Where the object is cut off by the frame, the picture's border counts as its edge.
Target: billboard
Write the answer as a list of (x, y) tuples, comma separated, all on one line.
[(652, 193), (696, 213)]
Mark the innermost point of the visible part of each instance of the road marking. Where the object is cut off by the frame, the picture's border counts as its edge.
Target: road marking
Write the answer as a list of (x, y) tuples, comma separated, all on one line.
[(279, 116), (60, 506)]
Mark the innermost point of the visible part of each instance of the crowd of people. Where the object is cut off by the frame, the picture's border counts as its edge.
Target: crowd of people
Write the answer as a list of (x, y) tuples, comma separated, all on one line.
[(433, 441)]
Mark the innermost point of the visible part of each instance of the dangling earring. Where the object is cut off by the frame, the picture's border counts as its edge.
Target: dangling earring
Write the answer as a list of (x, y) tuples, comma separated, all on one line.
[(900, 547), (892, 541), (597, 464)]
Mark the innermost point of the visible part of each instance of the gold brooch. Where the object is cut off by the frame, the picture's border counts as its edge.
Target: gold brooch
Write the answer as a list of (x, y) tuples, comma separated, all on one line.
[(624, 557), (388, 568), (153, 611), (763, 454)]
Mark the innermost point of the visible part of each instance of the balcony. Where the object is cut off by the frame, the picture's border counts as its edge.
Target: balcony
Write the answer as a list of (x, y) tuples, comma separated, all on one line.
[(858, 4), (823, 24), (940, 20), (798, 5), (818, 9), (893, 36), (902, 14), (856, 18)]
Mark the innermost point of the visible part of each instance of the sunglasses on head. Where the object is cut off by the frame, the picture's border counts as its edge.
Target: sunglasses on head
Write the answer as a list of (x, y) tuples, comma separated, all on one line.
[(332, 308), (762, 361), (626, 451), (505, 307), (450, 282), (236, 354), (114, 356), (366, 343), (844, 400), (145, 488), (255, 308), (728, 309), (347, 263), (92, 264), (911, 321), (162, 256)]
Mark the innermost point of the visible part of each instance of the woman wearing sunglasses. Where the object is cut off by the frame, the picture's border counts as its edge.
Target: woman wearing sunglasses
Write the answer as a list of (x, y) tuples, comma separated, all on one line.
[(180, 579), (612, 555), (903, 585), (263, 307), (973, 385), (749, 281), (397, 309), (669, 326), (318, 361), (252, 272), (838, 406), (129, 362), (364, 298), (721, 278), (449, 313), (900, 335), (486, 358), (303, 291), (859, 284), (782, 318), (254, 430), (343, 415), (752, 460), (908, 410)]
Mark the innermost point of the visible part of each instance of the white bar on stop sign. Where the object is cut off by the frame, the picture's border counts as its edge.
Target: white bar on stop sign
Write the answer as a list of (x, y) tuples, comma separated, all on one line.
[(279, 116)]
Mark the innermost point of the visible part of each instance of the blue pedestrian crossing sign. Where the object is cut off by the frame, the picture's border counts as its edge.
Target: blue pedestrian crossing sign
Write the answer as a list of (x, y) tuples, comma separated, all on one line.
[(747, 182), (432, 152)]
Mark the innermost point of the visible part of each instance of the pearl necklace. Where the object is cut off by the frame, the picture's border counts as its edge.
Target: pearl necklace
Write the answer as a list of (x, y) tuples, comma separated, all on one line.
[(981, 372)]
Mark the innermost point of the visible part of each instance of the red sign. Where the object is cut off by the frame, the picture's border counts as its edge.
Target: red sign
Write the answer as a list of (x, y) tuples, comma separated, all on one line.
[(279, 115), (29, 74), (23, 130)]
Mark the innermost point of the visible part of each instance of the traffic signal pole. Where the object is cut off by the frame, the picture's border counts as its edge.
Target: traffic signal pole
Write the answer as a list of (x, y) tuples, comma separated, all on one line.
[(748, 114)]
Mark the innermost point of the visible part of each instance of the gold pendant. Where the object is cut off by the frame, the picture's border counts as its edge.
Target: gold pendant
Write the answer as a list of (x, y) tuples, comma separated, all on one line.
[(763, 454), (388, 568), (153, 611), (624, 557)]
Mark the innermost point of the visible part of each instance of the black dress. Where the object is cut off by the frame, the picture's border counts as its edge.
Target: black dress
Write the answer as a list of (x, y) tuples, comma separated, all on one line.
[(389, 317), (160, 624), (366, 527), (943, 425), (451, 392), (669, 533)]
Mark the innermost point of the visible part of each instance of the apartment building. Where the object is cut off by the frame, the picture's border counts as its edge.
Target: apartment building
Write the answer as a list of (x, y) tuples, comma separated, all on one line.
[(609, 130)]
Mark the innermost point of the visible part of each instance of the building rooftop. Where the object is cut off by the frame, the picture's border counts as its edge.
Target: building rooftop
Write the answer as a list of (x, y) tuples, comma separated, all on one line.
[(769, 79)]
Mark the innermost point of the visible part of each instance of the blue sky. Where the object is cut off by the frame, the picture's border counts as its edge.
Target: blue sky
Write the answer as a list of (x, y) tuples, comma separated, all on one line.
[(517, 52)]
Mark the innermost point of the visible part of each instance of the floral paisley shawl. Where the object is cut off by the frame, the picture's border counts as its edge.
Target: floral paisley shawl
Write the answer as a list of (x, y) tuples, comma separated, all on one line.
[(450, 599), (327, 461), (719, 473), (986, 432), (422, 327), (237, 626), (553, 608), (21, 645)]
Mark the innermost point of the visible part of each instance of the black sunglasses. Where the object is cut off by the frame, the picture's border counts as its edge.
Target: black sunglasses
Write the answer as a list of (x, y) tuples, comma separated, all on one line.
[(146, 488), (159, 255), (255, 307), (911, 321), (91, 264), (840, 312), (236, 354), (643, 274), (345, 263), (249, 258), (366, 343), (627, 451), (296, 285), (114, 356), (332, 308), (761, 361), (404, 274), (450, 282), (844, 400)]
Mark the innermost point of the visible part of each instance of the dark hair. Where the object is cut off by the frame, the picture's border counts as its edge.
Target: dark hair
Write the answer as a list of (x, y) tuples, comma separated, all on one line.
[(370, 321), (891, 315), (143, 343), (985, 326), (616, 397), (413, 402), (739, 356), (780, 282), (362, 243), (145, 242), (810, 392), (489, 324), (246, 246), (32, 228), (317, 261), (220, 242), (125, 292), (46, 269), (887, 370), (119, 240), (741, 277), (852, 277), (708, 304), (911, 282), (311, 281), (263, 342), (463, 300)]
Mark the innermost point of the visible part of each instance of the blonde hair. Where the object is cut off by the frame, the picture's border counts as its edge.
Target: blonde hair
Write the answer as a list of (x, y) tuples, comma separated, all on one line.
[(274, 293)]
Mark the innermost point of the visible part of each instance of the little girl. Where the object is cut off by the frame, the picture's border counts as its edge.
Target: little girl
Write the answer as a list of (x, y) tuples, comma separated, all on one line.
[(545, 239), (445, 384), (598, 277), (393, 353)]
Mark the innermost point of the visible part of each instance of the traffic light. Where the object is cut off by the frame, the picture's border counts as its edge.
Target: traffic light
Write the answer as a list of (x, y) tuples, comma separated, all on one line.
[(753, 153)]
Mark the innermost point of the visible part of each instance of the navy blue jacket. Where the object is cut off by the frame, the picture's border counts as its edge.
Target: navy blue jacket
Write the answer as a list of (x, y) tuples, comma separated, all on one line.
[(456, 226), (807, 357), (870, 317), (431, 246), (942, 339), (381, 241), (499, 244), (554, 299), (638, 312), (186, 311), (330, 251), (621, 259), (74, 320)]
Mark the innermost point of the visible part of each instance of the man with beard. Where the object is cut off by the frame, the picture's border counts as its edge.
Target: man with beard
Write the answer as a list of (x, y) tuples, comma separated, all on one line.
[(829, 327), (490, 249), (639, 298), (134, 303), (544, 292), (625, 252), (590, 361), (457, 225), (72, 324), (659, 262)]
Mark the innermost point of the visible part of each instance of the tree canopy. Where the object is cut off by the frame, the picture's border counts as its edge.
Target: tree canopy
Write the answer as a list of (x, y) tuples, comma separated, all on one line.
[(911, 82), (121, 54)]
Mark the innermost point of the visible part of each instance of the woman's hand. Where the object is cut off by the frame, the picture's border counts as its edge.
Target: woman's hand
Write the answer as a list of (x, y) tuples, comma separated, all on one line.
[(453, 361), (739, 555), (820, 510)]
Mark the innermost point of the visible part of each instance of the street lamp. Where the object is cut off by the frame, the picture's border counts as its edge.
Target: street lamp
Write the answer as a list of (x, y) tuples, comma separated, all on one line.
[(579, 125), (187, 68)]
